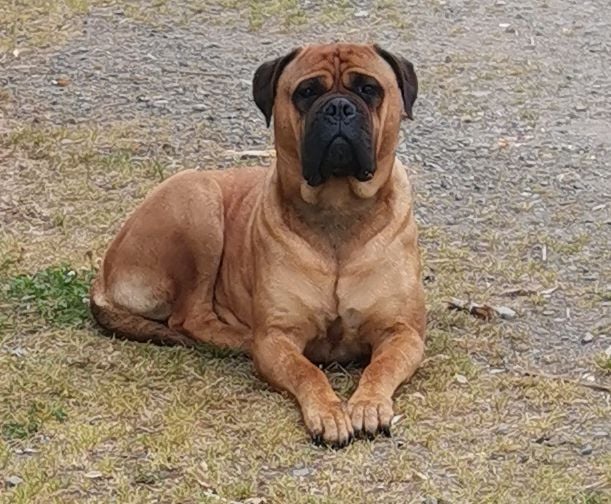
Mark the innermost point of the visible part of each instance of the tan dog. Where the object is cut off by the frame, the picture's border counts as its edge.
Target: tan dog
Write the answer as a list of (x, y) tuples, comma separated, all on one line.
[(310, 261)]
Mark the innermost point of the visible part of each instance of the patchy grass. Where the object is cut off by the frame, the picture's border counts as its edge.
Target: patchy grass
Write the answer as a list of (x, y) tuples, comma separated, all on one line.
[(89, 417), (603, 361), (56, 294)]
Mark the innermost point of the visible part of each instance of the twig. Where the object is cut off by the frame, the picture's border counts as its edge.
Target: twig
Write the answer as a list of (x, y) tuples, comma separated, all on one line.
[(594, 386)]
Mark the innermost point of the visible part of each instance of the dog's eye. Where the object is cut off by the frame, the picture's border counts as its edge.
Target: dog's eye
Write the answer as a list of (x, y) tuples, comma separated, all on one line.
[(368, 90), (307, 92)]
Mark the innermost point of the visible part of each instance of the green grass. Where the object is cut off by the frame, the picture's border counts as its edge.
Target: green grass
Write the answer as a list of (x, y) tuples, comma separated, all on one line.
[(58, 295)]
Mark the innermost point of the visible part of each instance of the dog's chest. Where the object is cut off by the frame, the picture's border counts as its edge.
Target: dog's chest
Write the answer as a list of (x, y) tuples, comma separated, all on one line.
[(339, 342)]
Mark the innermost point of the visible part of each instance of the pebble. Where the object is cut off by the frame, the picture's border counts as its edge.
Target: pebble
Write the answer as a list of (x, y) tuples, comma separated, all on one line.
[(13, 481), (588, 337), (502, 429), (505, 312), (301, 472), (586, 450), (461, 379)]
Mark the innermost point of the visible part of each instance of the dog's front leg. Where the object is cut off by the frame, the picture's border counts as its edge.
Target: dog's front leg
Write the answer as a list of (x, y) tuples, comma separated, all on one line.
[(280, 360), (396, 355)]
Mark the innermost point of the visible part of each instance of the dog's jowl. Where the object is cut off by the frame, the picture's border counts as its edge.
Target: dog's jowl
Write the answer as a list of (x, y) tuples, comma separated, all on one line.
[(309, 261)]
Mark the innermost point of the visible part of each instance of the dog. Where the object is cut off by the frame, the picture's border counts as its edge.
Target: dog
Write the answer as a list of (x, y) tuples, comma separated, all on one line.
[(310, 261)]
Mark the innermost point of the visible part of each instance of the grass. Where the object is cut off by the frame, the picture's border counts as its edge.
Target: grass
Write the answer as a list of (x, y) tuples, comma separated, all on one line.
[(58, 295), (89, 417)]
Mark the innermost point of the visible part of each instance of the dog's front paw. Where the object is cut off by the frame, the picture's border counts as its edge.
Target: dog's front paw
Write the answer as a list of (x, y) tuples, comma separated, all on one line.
[(328, 423), (370, 414)]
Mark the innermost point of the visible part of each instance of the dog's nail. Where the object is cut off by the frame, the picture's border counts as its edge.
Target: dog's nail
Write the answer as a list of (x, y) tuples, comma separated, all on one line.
[(385, 430), (317, 439)]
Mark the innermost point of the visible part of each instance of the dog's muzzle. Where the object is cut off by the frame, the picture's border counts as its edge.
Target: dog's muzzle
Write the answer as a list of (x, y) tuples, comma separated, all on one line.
[(337, 141)]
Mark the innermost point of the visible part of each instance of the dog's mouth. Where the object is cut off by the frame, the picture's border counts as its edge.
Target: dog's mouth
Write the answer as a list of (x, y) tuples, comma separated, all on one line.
[(339, 158)]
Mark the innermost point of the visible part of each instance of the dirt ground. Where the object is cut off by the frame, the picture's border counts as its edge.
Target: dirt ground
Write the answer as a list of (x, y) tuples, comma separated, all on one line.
[(510, 152)]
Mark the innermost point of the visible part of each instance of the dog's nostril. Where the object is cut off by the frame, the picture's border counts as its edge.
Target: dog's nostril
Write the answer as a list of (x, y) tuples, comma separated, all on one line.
[(348, 110), (339, 108), (331, 109)]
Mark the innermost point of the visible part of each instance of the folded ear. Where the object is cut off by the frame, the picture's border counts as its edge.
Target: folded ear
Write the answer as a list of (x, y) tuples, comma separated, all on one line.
[(265, 82), (406, 78)]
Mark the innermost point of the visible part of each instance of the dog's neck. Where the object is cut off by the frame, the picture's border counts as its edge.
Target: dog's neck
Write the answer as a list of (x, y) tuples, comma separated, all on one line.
[(334, 211)]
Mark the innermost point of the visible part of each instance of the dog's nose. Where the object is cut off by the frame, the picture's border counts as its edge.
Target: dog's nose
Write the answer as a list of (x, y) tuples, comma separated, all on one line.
[(339, 109)]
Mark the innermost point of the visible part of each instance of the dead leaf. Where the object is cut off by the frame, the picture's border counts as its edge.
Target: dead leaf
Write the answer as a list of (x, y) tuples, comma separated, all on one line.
[(483, 312), (61, 82), (503, 143)]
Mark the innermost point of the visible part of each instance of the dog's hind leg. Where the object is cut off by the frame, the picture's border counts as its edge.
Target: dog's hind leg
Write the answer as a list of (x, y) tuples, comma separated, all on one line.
[(130, 325)]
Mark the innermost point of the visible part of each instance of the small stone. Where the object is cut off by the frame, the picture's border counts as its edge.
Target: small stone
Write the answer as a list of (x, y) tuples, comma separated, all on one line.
[(522, 458), (588, 337), (600, 434), (361, 14), (461, 379), (505, 312), (13, 481), (586, 450), (580, 107), (199, 107), (93, 475), (502, 429), (448, 59), (301, 472)]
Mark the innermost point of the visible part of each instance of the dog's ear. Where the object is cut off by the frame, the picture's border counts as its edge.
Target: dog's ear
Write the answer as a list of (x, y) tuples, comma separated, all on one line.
[(406, 78), (265, 82)]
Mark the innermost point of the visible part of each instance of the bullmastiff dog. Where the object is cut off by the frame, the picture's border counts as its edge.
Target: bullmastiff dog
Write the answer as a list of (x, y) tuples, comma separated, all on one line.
[(310, 261)]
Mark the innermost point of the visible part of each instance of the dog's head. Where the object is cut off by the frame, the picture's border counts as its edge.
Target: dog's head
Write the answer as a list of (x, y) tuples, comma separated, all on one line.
[(336, 111)]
